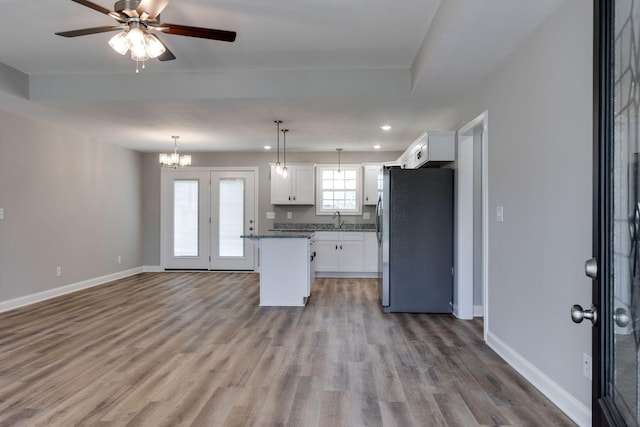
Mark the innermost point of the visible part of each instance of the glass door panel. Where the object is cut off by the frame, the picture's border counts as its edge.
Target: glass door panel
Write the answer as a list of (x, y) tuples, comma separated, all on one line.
[(232, 217), (233, 210), (185, 217), (185, 229), (623, 377)]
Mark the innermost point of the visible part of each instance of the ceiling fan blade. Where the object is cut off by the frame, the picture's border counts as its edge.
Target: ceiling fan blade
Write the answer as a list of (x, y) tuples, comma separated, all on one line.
[(87, 31), (93, 6), (151, 7), (203, 33)]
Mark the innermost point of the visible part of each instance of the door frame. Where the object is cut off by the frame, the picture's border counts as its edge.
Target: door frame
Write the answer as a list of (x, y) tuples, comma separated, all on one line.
[(604, 412), (163, 217), (463, 307)]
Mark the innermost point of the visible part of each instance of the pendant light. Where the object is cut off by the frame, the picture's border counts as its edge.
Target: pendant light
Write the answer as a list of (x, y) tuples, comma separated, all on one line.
[(278, 165), (339, 150), (285, 172)]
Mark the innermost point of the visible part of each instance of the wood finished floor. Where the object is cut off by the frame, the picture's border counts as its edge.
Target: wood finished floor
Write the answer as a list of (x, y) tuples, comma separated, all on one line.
[(194, 349)]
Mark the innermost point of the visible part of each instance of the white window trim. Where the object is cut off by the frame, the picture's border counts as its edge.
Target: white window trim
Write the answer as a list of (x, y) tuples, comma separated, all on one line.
[(319, 169)]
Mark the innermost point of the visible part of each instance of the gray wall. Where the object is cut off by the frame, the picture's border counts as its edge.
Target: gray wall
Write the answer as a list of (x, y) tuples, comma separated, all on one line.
[(539, 167), (67, 202), (151, 189)]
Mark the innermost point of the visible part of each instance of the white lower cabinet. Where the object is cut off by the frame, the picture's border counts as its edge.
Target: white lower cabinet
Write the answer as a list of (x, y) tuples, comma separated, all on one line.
[(370, 252), (344, 252)]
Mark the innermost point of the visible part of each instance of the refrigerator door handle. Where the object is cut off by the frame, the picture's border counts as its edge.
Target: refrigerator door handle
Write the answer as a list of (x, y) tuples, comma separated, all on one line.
[(378, 221)]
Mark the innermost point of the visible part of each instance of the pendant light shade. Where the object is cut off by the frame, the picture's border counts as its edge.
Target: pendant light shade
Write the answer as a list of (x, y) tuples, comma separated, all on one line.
[(339, 150)]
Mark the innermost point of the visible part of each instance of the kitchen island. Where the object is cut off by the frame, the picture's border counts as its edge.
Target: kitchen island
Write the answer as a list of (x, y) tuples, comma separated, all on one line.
[(286, 267)]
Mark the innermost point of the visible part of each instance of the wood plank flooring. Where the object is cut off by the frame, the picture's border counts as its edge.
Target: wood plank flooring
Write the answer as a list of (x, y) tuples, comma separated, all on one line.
[(194, 349)]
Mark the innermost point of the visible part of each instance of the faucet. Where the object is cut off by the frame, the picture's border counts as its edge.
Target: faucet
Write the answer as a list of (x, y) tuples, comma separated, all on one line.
[(340, 222)]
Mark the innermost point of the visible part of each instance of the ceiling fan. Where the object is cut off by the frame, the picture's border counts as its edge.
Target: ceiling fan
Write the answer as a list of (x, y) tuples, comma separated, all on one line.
[(136, 18)]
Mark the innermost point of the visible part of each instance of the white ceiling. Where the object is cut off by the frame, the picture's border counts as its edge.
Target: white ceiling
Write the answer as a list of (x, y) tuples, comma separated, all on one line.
[(332, 70)]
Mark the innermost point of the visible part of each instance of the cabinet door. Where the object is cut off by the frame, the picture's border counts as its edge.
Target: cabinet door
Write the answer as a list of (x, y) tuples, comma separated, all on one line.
[(372, 184), (370, 253), (327, 255), (280, 188), (303, 185), (351, 256)]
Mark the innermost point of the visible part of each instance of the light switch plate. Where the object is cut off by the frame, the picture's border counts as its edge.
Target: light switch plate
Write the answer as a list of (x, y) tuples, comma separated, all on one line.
[(271, 215), (289, 215), (1, 213), (499, 214)]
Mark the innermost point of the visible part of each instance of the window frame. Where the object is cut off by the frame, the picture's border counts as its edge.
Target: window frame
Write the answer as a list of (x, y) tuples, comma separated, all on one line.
[(359, 188)]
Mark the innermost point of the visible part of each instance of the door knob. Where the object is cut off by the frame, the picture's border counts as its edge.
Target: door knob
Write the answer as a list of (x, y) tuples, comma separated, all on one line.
[(578, 314), (621, 317), (591, 268)]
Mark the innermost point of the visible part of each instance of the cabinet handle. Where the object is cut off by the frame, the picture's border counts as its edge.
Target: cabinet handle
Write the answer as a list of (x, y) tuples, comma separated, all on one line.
[(336, 247), (289, 197), (340, 247), (366, 198), (294, 197)]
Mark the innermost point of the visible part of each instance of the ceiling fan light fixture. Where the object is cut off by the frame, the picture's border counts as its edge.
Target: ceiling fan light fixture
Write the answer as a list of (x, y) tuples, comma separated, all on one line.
[(154, 46), (139, 54), (119, 43), (135, 38)]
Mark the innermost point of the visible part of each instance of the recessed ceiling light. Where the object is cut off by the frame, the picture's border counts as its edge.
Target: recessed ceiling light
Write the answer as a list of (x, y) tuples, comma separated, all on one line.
[(267, 147), (385, 127), (377, 147)]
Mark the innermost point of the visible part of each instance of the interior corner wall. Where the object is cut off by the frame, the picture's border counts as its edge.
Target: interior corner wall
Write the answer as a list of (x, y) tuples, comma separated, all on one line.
[(68, 202), (539, 105)]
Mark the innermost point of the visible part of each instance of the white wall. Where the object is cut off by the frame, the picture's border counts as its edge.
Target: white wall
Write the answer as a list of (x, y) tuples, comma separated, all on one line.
[(67, 202), (539, 104)]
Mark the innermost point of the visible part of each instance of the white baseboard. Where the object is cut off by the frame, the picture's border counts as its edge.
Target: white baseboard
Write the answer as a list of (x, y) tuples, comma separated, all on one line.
[(67, 289), (574, 409), (152, 269), (331, 274), (478, 311)]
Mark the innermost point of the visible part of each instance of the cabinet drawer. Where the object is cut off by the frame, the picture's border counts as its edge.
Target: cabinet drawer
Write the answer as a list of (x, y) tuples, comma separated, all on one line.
[(327, 235)]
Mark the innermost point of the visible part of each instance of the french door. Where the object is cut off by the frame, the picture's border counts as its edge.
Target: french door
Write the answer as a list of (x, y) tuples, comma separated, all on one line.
[(204, 214), (616, 291)]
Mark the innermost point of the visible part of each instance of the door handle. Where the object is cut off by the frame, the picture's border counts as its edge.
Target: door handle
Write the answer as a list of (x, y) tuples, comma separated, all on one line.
[(578, 314), (621, 317), (591, 268)]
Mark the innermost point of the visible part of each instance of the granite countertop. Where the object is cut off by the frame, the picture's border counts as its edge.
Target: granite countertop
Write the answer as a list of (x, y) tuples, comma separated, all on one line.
[(280, 235), (309, 227)]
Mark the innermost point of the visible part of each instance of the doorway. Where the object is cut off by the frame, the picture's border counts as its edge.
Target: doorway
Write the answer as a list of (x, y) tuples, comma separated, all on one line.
[(204, 213), (470, 290)]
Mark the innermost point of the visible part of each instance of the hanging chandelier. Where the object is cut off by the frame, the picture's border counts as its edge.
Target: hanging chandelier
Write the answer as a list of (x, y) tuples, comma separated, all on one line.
[(174, 160)]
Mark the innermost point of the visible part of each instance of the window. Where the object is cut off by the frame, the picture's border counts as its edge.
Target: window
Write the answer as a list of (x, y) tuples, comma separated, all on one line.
[(339, 191)]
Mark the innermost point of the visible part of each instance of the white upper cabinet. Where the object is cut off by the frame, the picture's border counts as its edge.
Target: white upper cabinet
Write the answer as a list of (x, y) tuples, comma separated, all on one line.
[(372, 183), (437, 147), (296, 189)]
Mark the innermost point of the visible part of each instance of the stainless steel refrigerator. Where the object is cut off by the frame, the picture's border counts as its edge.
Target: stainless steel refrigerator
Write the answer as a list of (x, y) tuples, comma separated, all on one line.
[(414, 221)]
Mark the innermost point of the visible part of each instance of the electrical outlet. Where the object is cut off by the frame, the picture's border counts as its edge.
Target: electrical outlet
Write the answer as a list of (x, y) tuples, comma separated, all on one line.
[(289, 215), (586, 366), (271, 215), (366, 215), (58, 271), (119, 259), (2, 213)]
